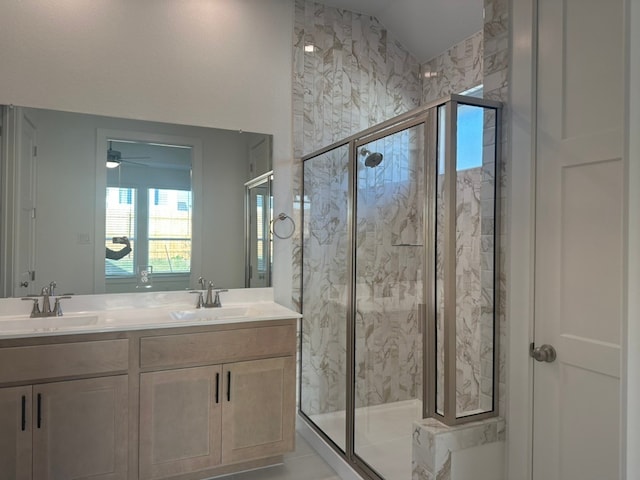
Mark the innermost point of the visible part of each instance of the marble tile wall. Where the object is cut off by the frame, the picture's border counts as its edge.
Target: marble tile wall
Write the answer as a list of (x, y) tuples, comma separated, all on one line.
[(357, 76), (454, 71), (457, 70), (461, 68)]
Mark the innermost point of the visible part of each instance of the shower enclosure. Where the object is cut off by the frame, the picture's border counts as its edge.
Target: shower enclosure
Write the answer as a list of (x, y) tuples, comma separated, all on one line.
[(398, 281)]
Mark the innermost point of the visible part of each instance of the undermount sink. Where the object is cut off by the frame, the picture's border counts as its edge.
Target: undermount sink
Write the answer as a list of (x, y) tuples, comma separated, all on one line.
[(206, 314), (47, 323)]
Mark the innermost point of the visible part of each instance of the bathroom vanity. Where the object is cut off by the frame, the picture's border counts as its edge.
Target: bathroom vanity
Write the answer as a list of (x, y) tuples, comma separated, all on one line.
[(147, 393)]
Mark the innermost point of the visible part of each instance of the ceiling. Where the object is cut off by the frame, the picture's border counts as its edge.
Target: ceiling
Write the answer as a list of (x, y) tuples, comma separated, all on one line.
[(425, 27)]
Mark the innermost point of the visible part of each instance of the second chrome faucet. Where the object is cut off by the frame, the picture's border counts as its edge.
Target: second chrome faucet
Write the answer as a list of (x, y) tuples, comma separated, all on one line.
[(213, 295), (47, 311)]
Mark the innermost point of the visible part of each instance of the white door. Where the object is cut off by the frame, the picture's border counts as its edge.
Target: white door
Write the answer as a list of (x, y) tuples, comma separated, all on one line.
[(579, 239), (26, 207)]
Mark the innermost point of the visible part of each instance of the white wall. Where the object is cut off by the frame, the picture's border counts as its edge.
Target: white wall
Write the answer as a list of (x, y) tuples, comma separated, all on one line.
[(222, 63)]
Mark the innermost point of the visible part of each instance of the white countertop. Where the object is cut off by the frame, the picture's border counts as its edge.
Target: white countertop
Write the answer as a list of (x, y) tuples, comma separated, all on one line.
[(137, 311)]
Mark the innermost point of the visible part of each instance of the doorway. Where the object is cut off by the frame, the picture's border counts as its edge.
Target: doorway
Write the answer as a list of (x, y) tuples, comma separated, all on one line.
[(258, 222)]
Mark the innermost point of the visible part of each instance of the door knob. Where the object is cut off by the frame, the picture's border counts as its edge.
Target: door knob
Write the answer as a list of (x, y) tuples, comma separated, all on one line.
[(543, 353)]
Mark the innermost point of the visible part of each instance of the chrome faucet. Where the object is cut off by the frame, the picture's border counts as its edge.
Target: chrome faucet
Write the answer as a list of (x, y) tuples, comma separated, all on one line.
[(212, 301), (46, 310)]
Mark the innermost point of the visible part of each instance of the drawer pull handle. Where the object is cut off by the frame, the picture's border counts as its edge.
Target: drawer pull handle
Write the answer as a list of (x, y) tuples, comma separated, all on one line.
[(217, 388), (228, 385), (24, 413), (39, 410)]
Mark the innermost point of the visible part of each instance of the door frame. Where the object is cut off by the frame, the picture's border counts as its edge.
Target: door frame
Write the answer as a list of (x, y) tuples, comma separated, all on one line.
[(265, 178), (11, 124), (521, 242), (630, 395), (521, 187)]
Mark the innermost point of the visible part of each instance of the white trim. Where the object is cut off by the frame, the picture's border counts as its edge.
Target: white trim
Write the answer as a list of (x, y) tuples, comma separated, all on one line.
[(521, 241), (630, 394), (7, 199)]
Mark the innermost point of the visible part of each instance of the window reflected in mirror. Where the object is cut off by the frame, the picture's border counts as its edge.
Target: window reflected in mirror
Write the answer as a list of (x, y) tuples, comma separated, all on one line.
[(149, 211)]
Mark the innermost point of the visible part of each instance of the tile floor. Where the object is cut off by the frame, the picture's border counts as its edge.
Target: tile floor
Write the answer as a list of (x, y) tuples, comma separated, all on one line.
[(303, 464)]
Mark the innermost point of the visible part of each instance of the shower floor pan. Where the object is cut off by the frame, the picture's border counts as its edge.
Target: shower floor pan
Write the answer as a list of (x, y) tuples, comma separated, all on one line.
[(383, 435)]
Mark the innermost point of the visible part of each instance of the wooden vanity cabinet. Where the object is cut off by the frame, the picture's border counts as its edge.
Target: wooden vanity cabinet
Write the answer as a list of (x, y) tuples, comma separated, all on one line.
[(181, 403), (206, 418), (55, 423), (74, 429)]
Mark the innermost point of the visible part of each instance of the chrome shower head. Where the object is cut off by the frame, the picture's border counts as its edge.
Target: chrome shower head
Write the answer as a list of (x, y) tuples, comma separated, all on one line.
[(373, 159)]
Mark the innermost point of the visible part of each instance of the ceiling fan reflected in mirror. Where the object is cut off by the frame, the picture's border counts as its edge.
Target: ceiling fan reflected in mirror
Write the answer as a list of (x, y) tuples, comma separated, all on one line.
[(115, 158)]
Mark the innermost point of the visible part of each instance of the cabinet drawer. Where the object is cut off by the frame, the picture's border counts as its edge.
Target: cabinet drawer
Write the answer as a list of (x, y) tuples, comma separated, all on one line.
[(217, 347), (39, 362)]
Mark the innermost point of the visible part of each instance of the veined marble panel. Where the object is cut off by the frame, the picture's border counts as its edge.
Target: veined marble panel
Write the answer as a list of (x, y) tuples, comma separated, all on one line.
[(357, 75), (454, 71), (435, 445)]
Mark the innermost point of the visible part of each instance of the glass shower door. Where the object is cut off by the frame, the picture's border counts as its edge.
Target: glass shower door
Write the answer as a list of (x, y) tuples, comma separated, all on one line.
[(388, 294), (325, 260)]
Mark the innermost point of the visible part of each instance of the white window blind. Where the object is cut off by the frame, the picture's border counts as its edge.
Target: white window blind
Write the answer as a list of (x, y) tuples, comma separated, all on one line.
[(120, 222)]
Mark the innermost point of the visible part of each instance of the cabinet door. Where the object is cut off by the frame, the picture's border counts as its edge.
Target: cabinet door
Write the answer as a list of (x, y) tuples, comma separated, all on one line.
[(80, 429), (15, 433), (180, 414), (259, 409)]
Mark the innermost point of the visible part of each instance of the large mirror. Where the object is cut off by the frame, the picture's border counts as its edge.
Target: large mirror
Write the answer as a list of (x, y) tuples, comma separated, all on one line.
[(176, 192)]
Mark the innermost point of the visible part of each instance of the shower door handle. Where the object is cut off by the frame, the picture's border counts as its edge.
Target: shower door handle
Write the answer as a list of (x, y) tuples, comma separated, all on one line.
[(543, 353)]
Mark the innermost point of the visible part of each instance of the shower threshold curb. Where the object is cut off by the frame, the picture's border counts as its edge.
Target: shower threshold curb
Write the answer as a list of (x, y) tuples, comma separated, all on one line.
[(328, 454)]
